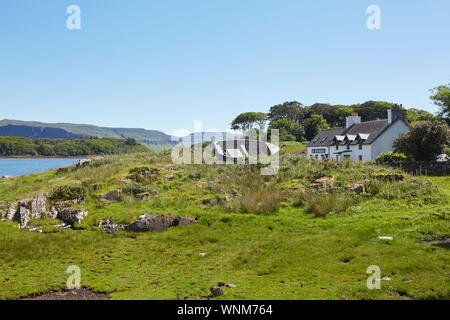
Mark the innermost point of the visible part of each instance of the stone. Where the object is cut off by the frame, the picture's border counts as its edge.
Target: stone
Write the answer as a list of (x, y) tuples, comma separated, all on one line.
[(221, 284), (12, 210), (157, 222), (3, 203), (83, 163), (143, 195), (385, 238), (216, 291), (72, 215), (38, 206), (114, 195), (3, 209), (24, 212), (230, 285), (125, 181), (357, 187), (8, 177), (168, 177), (63, 170), (109, 227)]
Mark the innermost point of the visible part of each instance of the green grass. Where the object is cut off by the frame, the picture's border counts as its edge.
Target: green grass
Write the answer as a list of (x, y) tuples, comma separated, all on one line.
[(281, 251)]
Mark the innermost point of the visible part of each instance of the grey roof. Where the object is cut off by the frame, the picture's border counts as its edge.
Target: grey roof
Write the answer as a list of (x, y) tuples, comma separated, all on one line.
[(318, 140), (369, 130)]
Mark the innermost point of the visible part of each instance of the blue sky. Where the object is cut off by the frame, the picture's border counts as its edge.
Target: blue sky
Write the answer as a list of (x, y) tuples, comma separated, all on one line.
[(163, 64)]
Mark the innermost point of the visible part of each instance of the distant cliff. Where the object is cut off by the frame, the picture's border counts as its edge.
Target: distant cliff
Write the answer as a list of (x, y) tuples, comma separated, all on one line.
[(153, 139)]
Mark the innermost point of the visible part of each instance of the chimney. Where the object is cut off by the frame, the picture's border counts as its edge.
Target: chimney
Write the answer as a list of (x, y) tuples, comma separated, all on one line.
[(351, 120), (397, 112)]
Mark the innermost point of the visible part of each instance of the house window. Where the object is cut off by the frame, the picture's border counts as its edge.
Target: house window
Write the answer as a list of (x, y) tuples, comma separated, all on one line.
[(348, 146), (337, 147), (360, 158), (360, 146)]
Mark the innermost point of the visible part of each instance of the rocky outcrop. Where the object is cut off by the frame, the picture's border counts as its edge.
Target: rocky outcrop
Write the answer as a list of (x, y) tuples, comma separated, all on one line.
[(144, 195), (109, 227), (24, 212), (168, 177), (157, 222), (394, 177), (72, 215), (12, 210), (114, 195), (3, 209), (39, 206), (357, 187)]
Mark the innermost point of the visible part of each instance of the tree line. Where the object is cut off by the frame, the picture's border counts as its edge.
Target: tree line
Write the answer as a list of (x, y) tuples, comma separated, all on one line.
[(297, 122), (20, 146)]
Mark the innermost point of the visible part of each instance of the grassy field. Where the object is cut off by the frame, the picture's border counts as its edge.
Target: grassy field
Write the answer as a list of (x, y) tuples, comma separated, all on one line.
[(275, 237)]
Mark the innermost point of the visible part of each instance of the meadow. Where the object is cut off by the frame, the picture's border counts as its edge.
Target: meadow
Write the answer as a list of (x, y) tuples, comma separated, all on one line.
[(300, 234)]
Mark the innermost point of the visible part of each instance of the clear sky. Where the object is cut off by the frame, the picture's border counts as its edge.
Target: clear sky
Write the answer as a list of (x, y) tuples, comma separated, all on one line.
[(163, 64)]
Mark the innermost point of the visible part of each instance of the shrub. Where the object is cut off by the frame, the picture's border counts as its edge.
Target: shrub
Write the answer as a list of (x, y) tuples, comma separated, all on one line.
[(64, 193), (320, 204), (263, 200), (137, 188), (391, 156)]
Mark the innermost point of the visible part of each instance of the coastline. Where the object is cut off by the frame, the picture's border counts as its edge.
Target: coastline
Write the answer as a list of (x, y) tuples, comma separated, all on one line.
[(45, 157)]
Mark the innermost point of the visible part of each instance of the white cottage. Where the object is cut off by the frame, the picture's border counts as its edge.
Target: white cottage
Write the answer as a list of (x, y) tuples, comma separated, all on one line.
[(359, 141)]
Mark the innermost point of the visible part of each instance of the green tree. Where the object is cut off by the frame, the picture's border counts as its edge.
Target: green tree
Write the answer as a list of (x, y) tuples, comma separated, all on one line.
[(244, 121), (293, 111), (314, 125), (261, 119), (286, 128), (441, 97), (414, 115), (425, 141), (373, 110)]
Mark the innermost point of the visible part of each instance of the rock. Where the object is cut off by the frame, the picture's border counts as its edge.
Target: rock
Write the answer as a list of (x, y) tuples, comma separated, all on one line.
[(385, 238), (53, 213), (168, 177), (3, 203), (24, 212), (125, 181), (216, 291), (230, 285), (63, 170), (221, 284), (114, 195), (72, 215), (109, 226), (8, 177), (38, 206), (202, 254), (96, 186), (394, 177), (83, 163), (12, 210), (143, 195), (3, 209), (386, 278), (357, 187), (325, 181), (157, 222)]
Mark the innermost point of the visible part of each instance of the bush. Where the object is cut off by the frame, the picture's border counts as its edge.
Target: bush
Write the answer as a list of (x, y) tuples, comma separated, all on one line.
[(391, 156), (64, 193), (323, 203), (136, 188)]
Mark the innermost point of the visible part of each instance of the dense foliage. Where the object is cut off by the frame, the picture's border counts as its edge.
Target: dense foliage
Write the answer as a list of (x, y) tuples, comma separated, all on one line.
[(441, 97), (391, 156), (19, 146), (425, 141)]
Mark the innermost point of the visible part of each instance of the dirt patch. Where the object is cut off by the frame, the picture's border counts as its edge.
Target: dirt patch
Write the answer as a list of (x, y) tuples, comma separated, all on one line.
[(80, 294)]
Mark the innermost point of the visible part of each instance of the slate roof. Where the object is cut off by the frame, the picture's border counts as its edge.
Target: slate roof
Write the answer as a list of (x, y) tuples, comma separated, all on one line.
[(372, 128)]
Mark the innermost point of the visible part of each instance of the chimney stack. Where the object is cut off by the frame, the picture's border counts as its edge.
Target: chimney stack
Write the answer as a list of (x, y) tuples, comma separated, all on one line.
[(351, 120), (397, 112)]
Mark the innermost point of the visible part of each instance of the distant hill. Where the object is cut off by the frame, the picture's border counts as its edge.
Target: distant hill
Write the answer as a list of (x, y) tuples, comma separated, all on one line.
[(153, 139)]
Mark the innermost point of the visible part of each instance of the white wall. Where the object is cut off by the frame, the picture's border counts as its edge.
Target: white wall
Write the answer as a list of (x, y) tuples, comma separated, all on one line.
[(384, 142), (354, 154)]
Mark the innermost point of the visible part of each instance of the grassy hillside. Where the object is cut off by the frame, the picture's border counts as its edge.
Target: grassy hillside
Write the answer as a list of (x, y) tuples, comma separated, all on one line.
[(19, 146), (297, 235), (155, 140)]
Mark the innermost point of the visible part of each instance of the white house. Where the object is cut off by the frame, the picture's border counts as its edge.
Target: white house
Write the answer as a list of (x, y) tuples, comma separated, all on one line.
[(359, 141)]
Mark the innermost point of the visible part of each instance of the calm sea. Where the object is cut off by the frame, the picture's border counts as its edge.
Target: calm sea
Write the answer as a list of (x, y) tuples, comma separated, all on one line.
[(18, 167)]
